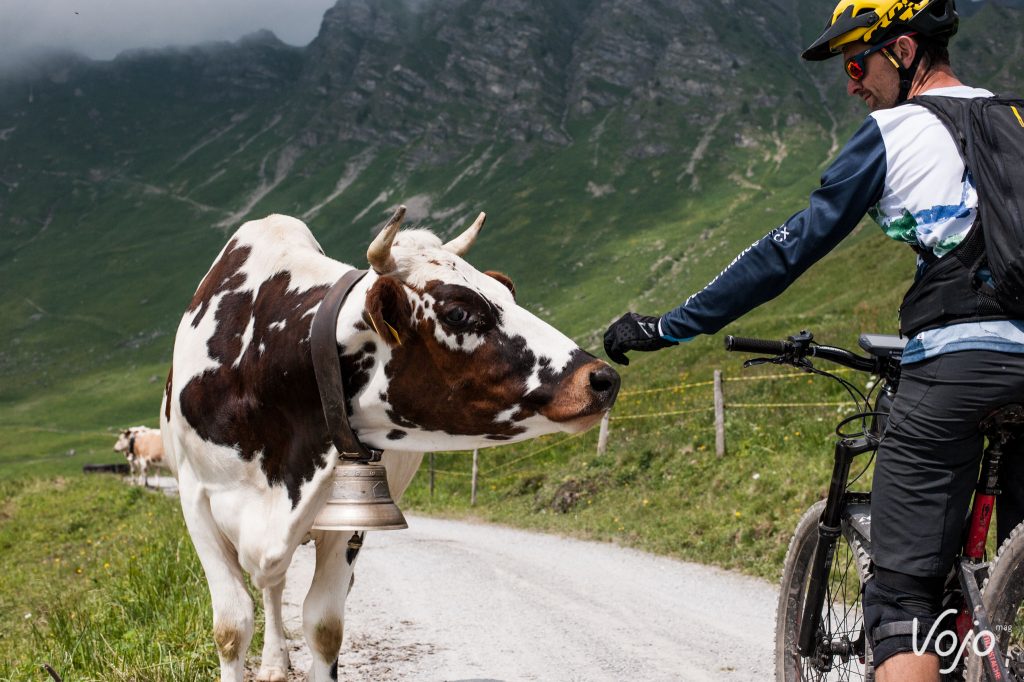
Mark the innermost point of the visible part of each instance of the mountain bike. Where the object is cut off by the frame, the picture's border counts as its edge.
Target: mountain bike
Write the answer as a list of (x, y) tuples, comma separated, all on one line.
[(819, 631)]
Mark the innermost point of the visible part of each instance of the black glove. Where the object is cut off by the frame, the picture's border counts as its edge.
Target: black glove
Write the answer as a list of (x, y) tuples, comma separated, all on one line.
[(633, 332)]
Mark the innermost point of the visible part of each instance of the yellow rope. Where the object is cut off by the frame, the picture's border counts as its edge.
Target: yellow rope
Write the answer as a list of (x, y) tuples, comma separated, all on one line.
[(661, 414), (788, 375), (677, 387), (535, 452), (452, 473), (762, 377), (755, 405)]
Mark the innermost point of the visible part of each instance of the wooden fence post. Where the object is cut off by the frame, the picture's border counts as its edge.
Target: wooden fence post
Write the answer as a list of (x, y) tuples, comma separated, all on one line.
[(431, 475), (719, 415), (602, 437), (476, 471)]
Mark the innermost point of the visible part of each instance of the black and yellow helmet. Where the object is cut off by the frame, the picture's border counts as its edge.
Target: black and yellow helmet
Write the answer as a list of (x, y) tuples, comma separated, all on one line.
[(875, 21)]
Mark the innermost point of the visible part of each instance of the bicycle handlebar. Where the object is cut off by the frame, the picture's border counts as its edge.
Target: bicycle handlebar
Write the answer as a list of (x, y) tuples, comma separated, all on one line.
[(744, 345), (798, 347)]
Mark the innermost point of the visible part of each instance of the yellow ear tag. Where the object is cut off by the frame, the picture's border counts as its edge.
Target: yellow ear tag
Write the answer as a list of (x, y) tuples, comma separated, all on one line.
[(391, 329), (369, 318)]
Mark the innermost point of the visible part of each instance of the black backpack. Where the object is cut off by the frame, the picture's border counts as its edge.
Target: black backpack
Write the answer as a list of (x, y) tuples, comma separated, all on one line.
[(989, 132)]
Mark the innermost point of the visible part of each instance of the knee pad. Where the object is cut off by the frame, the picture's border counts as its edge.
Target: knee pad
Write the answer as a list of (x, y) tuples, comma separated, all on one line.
[(892, 601)]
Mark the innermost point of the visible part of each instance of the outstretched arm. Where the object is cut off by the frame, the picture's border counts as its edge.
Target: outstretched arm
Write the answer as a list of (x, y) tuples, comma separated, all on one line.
[(849, 187)]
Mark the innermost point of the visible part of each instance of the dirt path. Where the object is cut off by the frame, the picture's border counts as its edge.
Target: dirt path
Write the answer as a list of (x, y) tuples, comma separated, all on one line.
[(447, 600), (469, 602)]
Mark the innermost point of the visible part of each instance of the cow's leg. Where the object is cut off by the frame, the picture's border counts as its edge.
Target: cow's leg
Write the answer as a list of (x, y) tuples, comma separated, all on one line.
[(323, 611), (232, 607), (143, 473), (275, 663)]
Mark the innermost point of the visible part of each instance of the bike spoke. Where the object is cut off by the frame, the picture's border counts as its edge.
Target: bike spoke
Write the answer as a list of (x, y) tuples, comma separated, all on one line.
[(841, 623)]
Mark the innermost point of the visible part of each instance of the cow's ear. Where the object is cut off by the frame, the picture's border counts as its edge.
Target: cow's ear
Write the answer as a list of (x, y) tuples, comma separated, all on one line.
[(388, 310), (504, 279)]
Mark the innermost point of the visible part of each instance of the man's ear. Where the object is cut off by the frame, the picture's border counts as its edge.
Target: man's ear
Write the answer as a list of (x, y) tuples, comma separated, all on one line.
[(504, 279), (905, 49), (388, 310)]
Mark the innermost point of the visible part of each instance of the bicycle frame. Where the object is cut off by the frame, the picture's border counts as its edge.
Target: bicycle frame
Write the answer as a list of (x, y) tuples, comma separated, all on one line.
[(972, 569)]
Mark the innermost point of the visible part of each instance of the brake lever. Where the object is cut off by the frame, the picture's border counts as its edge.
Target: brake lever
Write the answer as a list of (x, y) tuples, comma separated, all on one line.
[(754, 362)]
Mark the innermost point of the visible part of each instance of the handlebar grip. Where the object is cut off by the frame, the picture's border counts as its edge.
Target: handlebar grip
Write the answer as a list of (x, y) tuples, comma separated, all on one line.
[(766, 346)]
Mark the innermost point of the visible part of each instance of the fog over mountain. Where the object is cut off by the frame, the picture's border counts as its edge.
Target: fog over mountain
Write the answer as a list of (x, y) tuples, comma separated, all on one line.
[(100, 29)]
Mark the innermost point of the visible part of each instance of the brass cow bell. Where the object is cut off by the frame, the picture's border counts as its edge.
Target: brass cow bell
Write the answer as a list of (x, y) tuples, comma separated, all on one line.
[(360, 500)]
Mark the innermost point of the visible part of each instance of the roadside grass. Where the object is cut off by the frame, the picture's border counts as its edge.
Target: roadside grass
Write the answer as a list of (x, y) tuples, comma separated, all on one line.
[(101, 582)]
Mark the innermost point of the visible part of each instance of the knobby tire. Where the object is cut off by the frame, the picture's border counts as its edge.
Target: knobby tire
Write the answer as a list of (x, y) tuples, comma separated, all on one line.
[(1003, 596), (840, 616)]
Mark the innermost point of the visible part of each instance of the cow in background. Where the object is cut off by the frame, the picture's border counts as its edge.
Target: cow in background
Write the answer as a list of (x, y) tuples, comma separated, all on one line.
[(142, 447), (435, 355)]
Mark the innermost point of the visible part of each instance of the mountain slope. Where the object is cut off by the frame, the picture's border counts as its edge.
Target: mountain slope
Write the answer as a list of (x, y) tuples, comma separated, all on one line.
[(623, 150)]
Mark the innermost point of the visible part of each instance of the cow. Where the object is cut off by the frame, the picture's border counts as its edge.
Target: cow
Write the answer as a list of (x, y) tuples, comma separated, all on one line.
[(142, 447), (435, 355)]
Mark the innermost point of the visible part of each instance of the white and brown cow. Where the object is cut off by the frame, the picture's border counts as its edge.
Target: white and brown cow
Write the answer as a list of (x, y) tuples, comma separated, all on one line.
[(142, 447), (435, 355)]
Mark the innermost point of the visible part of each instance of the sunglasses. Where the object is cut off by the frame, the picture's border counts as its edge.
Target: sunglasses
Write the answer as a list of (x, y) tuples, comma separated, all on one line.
[(855, 67)]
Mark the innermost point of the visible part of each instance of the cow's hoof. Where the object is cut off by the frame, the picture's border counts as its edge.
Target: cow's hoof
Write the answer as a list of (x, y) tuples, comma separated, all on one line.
[(274, 674)]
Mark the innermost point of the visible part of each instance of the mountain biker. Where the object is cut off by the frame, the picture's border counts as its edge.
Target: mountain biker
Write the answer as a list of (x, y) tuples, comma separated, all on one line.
[(903, 168)]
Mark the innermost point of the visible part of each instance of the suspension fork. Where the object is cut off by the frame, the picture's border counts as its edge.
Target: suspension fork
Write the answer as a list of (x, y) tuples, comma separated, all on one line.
[(829, 530)]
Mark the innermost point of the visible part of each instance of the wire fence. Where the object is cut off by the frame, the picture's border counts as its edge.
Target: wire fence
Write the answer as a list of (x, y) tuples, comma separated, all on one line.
[(633, 399)]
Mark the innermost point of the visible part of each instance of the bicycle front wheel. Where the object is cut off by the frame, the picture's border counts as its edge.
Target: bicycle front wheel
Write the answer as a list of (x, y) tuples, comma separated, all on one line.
[(1003, 596), (841, 650)]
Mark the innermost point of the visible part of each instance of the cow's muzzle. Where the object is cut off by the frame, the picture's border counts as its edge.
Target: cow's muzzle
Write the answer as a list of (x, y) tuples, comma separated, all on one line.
[(583, 395), (605, 382)]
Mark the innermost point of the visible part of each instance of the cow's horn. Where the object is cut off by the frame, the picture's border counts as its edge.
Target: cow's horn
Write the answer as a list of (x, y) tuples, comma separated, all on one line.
[(379, 253), (461, 244)]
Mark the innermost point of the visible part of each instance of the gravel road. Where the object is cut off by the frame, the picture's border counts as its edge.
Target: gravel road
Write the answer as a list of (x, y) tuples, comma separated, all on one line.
[(456, 601)]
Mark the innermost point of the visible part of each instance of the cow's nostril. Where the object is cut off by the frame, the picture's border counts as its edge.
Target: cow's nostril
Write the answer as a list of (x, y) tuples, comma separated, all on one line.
[(604, 380)]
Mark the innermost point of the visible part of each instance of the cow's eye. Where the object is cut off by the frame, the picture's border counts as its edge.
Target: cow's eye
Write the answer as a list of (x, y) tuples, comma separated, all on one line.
[(456, 316)]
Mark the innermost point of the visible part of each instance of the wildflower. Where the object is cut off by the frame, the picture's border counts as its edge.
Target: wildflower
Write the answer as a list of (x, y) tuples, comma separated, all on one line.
[(646, 502), (27, 616), (756, 476), (737, 514)]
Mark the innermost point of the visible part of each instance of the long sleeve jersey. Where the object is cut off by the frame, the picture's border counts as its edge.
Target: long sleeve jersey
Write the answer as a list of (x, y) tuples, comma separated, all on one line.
[(902, 168)]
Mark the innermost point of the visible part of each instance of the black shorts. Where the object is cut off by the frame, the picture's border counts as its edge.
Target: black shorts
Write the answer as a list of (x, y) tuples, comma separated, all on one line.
[(927, 465)]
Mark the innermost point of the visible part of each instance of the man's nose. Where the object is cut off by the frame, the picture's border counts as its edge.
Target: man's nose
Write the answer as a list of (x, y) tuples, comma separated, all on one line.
[(852, 86)]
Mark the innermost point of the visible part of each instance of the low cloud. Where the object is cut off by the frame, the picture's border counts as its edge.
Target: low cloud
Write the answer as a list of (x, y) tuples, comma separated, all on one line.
[(100, 29)]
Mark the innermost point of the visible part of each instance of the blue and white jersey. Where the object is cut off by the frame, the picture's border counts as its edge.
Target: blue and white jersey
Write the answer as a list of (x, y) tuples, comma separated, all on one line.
[(901, 167)]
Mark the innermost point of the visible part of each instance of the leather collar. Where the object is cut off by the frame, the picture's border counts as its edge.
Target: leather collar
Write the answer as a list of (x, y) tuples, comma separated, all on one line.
[(327, 367)]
